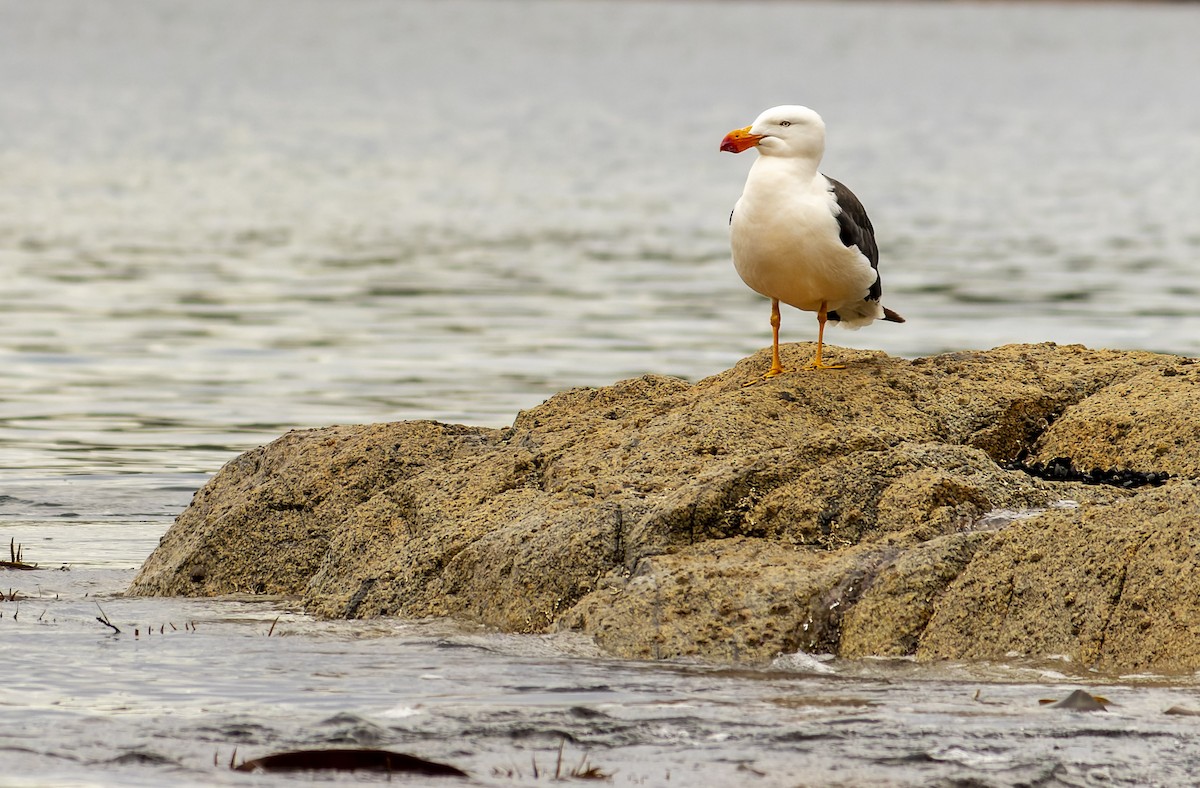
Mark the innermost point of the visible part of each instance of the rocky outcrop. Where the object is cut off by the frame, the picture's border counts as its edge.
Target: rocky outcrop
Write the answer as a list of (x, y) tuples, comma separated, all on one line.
[(868, 511), (1109, 586), (1149, 422)]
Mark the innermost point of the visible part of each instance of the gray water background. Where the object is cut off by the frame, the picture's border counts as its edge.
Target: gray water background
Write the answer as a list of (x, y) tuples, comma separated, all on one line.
[(221, 220)]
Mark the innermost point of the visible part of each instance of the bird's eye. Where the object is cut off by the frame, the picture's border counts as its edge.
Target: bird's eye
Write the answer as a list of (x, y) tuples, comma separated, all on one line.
[(785, 123)]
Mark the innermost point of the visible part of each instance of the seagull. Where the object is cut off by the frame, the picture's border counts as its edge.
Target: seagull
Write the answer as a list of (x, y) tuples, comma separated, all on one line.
[(801, 237)]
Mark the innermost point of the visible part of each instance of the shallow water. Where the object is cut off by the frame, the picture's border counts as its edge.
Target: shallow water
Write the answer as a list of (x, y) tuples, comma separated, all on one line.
[(189, 686), (222, 220)]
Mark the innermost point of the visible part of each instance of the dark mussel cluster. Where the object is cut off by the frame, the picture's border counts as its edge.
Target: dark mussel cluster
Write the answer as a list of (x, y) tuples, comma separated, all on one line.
[(1061, 469)]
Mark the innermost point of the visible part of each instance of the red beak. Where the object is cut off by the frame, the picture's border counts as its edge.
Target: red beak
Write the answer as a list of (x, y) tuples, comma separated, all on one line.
[(739, 140)]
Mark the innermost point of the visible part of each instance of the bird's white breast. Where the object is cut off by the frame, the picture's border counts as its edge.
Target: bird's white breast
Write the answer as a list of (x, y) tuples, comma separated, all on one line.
[(786, 242)]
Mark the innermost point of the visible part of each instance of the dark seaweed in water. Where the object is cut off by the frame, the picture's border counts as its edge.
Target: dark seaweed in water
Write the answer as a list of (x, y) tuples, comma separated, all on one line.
[(349, 761), (1061, 469)]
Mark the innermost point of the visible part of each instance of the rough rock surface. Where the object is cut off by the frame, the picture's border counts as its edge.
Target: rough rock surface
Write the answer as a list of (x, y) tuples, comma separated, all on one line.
[(858, 512), (1150, 422)]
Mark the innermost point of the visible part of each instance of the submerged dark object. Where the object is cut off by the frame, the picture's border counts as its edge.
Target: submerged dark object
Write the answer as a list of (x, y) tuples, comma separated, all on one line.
[(1078, 701), (1061, 469), (349, 761)]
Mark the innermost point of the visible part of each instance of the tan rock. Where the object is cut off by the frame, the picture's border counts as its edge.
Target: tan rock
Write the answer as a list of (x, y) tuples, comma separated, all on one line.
[(1109, 586), (894, 610), (849, 511), (1150, 422)]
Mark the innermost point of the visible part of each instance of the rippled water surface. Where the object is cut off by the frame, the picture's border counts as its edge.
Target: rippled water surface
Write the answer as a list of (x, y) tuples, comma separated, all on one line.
[(189, 686), (220, 220)]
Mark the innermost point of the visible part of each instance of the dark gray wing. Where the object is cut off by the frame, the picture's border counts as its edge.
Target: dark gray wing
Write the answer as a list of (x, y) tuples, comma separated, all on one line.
[(854, 224), (854, 227)]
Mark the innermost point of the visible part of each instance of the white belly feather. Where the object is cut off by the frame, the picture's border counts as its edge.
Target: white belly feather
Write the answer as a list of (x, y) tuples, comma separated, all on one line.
[(786, 245)]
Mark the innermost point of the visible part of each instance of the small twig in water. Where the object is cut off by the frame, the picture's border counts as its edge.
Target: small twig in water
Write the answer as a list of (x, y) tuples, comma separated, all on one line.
[(272, 629), (585, 771), (103, 619), (17, 555)]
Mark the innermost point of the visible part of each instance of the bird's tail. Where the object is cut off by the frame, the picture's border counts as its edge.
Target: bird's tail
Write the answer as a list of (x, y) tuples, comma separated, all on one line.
[(862, 314)]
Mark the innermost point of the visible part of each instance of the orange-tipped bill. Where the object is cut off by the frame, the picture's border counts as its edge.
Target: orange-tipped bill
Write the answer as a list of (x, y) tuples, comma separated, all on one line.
[(739, 140)]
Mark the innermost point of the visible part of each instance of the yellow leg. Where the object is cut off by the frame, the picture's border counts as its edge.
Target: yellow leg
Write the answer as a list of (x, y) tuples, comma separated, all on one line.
[(817, 363), (777, 368)]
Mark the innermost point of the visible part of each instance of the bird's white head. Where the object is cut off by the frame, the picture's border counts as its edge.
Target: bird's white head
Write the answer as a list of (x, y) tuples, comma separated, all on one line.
[(790, 131)]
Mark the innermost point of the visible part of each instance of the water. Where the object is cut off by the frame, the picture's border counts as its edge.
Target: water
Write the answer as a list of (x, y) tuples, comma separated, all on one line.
[(190, 685), (222, 220)]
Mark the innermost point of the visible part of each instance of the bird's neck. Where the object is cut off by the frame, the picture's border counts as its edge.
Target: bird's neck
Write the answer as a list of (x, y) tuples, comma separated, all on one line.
[(794, 169)]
